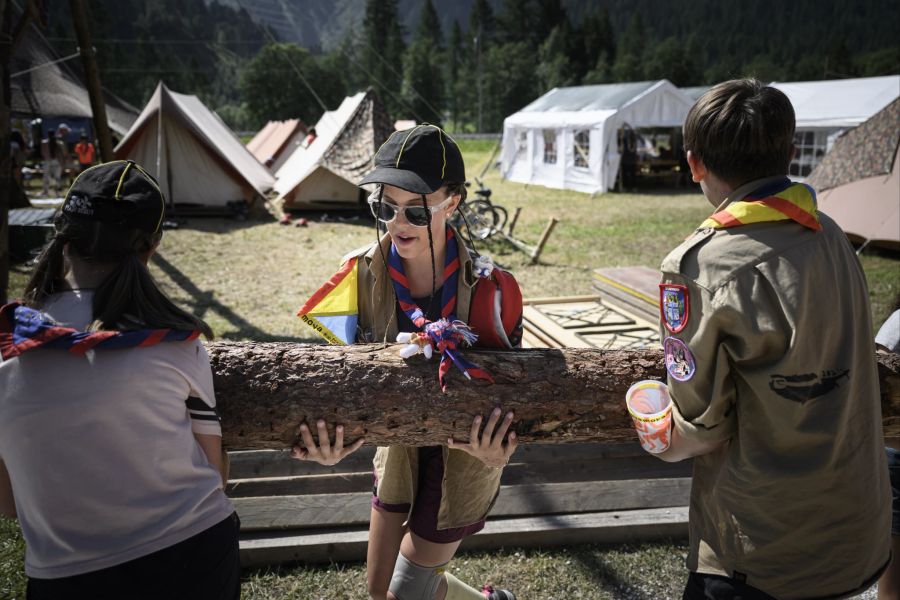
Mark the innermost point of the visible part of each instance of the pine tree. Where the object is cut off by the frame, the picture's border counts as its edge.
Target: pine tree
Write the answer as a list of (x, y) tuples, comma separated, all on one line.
[(382, 51), (628, 65), (456, 88), (482, 26), (422, 82)]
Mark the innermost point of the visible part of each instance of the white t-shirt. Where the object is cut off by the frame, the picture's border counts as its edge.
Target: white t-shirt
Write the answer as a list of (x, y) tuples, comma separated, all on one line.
[(100, 450)]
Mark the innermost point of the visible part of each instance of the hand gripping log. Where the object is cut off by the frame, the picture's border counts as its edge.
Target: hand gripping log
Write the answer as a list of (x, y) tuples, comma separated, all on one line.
[(265, 390)]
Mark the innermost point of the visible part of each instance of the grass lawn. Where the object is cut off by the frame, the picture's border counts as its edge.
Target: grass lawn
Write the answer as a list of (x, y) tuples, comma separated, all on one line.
[(247, 279)]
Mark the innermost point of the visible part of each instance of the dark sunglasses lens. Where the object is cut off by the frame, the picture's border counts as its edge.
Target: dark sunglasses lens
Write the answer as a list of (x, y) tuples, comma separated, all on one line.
[(383, 212), (418, 216)]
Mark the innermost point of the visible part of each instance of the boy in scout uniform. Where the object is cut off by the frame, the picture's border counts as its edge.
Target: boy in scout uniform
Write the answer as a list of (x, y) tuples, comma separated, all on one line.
[(771, 368)]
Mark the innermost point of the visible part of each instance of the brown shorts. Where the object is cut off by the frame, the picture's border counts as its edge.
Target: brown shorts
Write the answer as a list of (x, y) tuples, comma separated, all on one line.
[(423, 520)]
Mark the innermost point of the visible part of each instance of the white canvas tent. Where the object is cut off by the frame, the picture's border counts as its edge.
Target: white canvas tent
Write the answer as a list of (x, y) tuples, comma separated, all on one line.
[(825, 109), (195, 157), (566, 139), (323, 175)]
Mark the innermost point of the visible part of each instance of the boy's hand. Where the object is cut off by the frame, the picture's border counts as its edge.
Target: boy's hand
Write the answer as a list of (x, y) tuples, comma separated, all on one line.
[(324, 453), (488, 447)]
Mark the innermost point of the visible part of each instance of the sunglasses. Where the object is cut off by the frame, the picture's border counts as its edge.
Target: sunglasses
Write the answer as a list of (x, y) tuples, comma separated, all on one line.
[(417, 215)]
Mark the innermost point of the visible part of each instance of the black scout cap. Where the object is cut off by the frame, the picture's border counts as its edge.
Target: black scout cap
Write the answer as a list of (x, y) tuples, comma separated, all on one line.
[(418, 160), (117, 192)]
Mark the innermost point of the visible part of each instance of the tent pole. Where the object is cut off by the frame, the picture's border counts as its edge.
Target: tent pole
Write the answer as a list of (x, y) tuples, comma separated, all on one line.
[(92, 75)]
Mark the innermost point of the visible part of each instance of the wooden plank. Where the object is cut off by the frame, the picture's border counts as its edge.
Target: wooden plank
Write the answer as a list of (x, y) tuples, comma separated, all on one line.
[(252, 464), (517, 473), (349, 544), (317, 510), (561, 299), (246, 464), (560, 334), (635, 288)]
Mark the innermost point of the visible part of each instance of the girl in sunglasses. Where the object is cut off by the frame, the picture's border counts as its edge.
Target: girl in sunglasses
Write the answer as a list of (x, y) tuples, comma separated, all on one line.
[(428, 499)]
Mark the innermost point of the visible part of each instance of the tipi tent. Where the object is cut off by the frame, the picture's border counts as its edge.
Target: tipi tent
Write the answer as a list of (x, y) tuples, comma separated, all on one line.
[(858, 182), (195, 156), (324, 174), (567, 138), (825, 109), (277, 141), (41, 85)]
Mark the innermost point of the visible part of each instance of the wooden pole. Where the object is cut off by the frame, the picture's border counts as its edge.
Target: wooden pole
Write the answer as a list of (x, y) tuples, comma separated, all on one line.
[(265, 390), (512, 223), (92, 76), (536, 255)]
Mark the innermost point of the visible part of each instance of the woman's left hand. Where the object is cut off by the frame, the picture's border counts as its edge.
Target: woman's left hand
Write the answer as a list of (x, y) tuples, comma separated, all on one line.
[(488, 447)]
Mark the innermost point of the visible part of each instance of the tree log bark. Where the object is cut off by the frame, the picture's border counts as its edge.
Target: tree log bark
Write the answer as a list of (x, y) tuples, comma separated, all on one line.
[(265, 390)]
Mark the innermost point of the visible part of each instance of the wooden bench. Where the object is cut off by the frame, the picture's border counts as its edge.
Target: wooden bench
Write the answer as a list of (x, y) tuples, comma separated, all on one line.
[(551, 494)]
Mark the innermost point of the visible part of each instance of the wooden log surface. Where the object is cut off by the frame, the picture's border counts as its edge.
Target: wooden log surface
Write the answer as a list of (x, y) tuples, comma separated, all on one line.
[(265, 390)]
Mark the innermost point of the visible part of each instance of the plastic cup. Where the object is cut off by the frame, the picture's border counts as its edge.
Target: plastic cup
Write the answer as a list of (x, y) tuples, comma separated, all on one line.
[(650, 408)]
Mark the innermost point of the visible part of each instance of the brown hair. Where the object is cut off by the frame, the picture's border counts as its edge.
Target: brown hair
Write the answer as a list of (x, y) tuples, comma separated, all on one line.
[(129, 298), (742, 130)]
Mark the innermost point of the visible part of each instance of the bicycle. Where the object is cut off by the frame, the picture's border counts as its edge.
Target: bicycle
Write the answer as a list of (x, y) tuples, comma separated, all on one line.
[(480, 217)]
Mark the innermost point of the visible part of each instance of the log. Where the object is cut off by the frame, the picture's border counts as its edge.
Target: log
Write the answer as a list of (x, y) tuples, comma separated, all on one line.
[(265, 390)]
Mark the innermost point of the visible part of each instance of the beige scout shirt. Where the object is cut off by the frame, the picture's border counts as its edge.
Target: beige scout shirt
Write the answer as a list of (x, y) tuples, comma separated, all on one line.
[(469, 487), (796, 500)]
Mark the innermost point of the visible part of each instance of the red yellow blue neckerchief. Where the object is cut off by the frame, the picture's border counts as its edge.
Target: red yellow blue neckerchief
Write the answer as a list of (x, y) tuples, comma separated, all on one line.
[(781, 200), (449, 333), (23, 329)]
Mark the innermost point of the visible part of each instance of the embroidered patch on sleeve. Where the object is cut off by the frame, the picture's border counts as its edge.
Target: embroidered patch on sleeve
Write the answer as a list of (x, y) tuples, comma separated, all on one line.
[(674, 306), (679, 359)]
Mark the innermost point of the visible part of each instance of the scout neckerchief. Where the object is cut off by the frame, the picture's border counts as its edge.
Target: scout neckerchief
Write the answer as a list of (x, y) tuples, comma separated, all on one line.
[(447, 334), (781, 200), (23, 329)]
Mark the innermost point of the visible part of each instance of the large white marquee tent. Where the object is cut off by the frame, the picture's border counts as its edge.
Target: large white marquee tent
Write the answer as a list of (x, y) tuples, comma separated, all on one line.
[(567, 138)]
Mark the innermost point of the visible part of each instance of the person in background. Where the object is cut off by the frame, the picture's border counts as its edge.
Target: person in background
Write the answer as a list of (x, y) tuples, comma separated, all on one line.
[(53, 155), (310, 137), (84, 149)]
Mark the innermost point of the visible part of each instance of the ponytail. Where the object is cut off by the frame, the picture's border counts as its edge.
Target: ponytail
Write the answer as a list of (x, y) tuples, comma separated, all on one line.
[(128, 298)]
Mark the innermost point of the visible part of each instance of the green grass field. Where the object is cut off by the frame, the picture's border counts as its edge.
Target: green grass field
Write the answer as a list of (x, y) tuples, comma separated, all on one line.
[(247, 279)]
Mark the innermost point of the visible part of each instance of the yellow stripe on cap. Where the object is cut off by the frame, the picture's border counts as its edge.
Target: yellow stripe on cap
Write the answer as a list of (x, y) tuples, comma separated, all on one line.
[(162, 198), (77, 177), (408, 135), (122, 179), (443, 150)]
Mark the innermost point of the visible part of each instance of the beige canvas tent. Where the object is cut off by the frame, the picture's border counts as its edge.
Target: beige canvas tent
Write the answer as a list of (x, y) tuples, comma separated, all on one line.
[(323, 175), (277, 141), (858, 182), (195, 156)]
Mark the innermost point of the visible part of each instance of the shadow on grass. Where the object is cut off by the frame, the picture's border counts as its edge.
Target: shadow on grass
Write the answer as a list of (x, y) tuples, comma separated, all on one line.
[(205, 300), (606, 575)]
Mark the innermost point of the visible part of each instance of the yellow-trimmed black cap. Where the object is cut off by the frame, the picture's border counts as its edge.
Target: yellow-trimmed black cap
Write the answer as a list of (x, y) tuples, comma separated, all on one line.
[(120, 191), (418, 160)]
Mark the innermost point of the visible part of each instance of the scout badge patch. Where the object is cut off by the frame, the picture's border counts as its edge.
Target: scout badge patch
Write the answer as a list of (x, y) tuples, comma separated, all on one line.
[(673, 306), (333, 310), (23, 329), (679, 360), (779, 201)]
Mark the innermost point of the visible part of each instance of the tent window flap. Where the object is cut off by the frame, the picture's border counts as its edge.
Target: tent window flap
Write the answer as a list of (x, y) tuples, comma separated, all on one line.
[(582, 148), (549, 146)]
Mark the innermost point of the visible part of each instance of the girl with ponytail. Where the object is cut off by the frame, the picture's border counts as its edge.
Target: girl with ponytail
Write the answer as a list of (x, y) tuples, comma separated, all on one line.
[(110, 446)]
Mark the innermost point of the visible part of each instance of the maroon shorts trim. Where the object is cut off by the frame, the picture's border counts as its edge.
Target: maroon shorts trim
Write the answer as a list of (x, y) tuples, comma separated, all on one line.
[(424, 515)]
